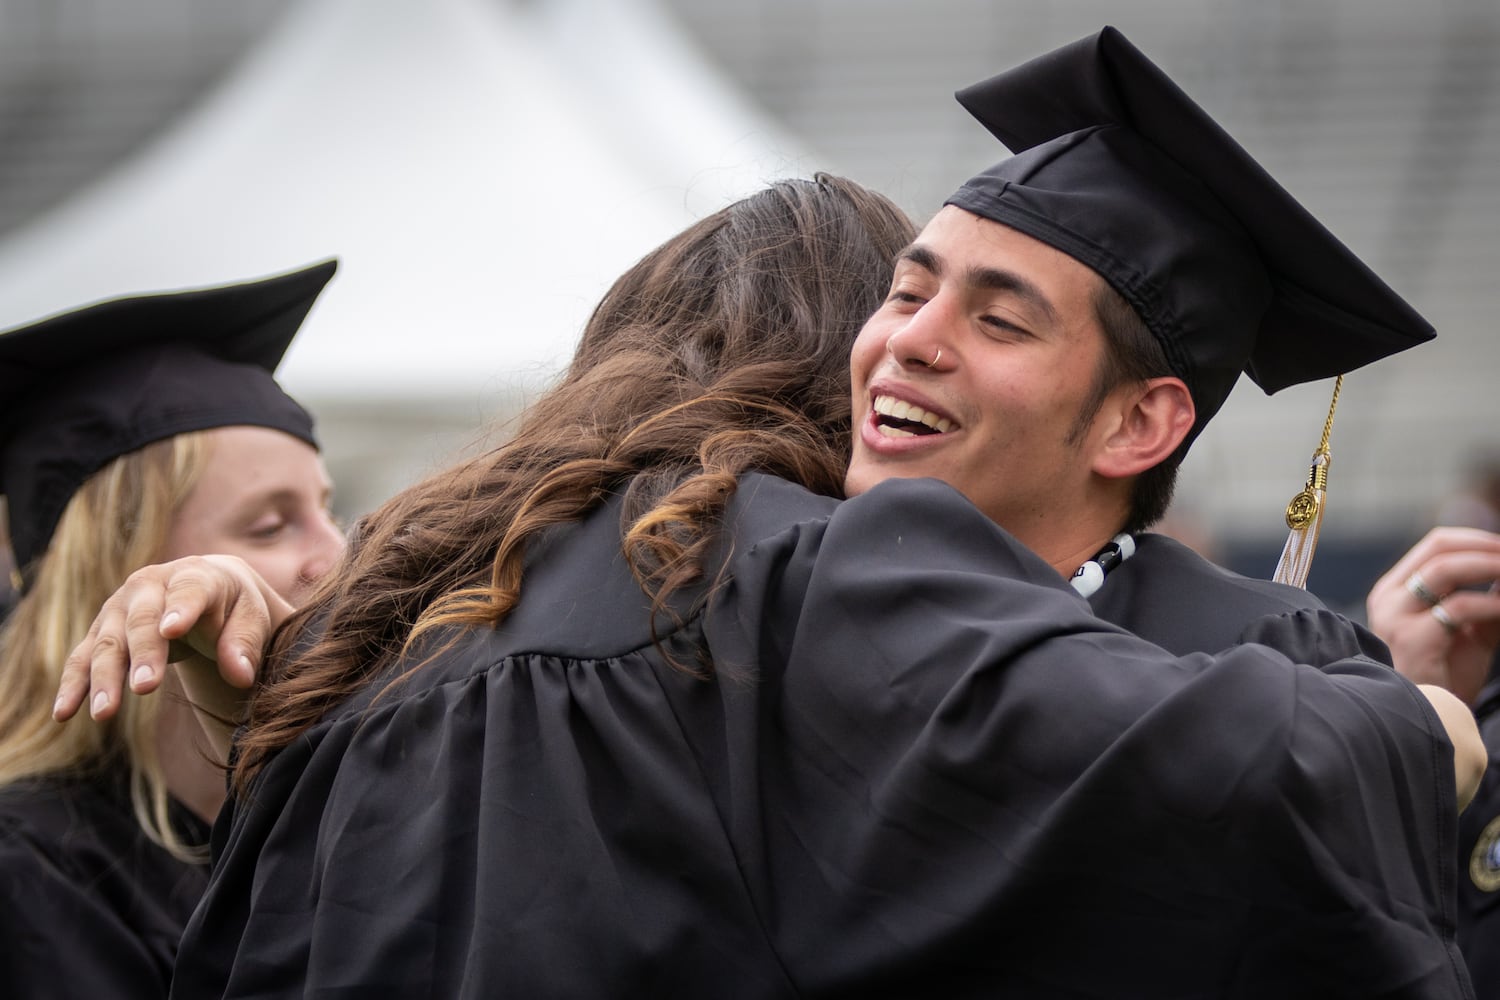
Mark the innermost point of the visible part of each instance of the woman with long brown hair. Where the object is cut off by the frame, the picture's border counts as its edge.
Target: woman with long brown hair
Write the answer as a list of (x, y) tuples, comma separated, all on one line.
[(722, 354)]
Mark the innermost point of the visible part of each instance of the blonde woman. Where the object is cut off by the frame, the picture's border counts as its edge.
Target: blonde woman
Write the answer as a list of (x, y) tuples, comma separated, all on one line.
[(135, 430)]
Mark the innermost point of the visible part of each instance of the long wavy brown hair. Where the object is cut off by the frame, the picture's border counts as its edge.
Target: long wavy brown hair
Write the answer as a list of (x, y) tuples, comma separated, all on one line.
[(721, 352)]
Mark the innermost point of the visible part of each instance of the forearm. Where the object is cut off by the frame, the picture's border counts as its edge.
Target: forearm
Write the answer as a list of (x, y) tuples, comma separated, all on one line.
[(1469, 757)]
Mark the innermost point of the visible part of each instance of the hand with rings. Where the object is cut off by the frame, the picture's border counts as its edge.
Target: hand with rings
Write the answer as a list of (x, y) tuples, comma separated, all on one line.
[(1438, 609), (1418, 588)]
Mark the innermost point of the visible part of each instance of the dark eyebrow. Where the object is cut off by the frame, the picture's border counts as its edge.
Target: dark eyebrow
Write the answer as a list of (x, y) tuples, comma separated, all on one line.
[(922, 257), (993, 279)]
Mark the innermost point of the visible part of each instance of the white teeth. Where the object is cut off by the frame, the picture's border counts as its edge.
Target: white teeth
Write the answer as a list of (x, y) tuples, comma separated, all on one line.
[(895, 432), (889, 406)]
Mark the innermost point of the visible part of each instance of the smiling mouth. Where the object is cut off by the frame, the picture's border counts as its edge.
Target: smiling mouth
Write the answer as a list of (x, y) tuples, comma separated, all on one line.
[(898, 418)]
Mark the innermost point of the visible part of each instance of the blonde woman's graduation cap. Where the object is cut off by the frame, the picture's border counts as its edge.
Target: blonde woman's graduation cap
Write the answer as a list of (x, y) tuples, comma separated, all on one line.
[(84, 387)]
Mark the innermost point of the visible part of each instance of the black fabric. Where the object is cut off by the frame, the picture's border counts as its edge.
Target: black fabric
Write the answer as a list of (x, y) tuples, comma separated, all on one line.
[(85, 387), (1168, 594), (89, 907), (925, 768), (1118, 168), (1479, 859)]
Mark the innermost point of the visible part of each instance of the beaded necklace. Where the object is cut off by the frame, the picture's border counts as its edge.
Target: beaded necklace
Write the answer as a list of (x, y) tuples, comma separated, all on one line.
[(1090, 576)]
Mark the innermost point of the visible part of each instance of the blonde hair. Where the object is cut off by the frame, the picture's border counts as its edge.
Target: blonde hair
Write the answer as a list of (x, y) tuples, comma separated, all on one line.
[(117, 522)]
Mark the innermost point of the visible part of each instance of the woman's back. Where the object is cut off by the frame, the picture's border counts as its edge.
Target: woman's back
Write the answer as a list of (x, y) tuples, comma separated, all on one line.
[(529, 812)]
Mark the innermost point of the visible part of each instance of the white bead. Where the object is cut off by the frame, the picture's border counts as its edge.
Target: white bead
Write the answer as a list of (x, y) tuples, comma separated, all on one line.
[(1089, 578)]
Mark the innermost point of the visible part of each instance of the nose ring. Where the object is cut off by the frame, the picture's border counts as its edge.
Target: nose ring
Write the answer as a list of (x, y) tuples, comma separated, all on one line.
[(935, 358)]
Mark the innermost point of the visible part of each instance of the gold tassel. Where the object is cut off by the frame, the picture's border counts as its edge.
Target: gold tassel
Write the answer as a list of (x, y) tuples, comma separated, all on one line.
[(1304, 514)]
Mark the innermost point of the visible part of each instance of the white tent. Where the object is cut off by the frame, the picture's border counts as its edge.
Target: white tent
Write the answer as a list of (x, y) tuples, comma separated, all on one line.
[(482, 169)]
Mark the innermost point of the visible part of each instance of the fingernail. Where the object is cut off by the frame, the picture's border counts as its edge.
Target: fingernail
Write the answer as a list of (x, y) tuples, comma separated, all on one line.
[(142, 675), (170, 618), (100, 702), (57, 706)]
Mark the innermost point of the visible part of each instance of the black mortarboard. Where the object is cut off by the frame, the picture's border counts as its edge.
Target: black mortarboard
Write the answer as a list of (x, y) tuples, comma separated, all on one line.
[(85, 387), (1118, 168)]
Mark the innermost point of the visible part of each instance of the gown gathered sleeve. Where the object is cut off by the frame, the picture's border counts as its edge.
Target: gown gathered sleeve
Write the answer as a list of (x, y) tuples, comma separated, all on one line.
[(922, 766)]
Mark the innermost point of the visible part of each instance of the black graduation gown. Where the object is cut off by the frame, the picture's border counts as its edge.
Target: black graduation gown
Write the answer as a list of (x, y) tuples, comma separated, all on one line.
[(89, 907), (924, 767), (1479, 859), (1168, 594)]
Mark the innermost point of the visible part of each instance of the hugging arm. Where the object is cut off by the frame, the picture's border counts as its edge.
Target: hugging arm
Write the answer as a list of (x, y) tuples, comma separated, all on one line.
[(967, 740)]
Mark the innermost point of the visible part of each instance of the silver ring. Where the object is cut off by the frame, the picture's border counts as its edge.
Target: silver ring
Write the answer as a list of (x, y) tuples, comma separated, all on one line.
[(1419, 589), (1444, 618), (935, 359)]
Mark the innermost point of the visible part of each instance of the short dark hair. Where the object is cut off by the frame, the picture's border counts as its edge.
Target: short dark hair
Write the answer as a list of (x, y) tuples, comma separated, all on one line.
[(1131, 355)]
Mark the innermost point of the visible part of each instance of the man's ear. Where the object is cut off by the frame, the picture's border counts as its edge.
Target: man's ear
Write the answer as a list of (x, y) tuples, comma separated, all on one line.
[(1151, 420)]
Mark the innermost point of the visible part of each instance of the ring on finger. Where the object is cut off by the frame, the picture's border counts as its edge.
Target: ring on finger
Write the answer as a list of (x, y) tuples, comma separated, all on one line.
[(1419, 589), (1444, 618)]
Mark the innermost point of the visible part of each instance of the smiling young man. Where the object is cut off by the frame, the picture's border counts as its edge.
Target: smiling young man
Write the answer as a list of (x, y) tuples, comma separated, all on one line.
[(981, 370), (1055, 339), (1064, 327)]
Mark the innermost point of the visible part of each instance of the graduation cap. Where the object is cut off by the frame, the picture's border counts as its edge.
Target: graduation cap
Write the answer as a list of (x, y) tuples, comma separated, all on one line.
[(1118, 168), (84, 387)]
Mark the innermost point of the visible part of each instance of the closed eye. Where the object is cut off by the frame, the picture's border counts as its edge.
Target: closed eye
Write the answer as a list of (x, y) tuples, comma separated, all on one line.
[(1005, 325), (266, 528)]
